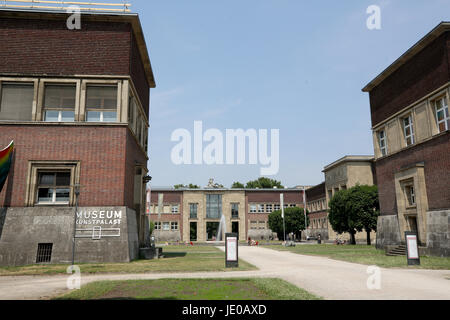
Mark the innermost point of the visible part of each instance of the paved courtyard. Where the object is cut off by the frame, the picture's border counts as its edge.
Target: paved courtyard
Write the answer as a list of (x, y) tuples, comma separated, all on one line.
[(324, 277)]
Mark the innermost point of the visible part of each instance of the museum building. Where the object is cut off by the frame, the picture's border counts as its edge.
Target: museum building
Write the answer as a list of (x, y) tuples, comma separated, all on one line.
[(76, 105), (342, 174), (411, 122), (196, 214)]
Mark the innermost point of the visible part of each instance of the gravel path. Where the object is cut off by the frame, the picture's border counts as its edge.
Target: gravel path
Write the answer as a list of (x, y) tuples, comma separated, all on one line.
[(324, 277)]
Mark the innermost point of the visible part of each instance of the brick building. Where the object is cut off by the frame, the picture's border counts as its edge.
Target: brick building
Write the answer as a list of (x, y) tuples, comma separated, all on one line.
[(342, 174), (195, 214), (76, 104), (410, 119)]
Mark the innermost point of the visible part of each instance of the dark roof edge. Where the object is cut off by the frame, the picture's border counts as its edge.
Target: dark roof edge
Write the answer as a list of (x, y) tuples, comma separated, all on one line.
[(410, 53)]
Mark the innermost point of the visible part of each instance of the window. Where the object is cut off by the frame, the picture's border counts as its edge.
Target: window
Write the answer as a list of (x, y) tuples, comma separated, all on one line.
[(139, 129), (157, 225), (286, 206), (193, 210), (262, 225), (101, 103), (442, 116), (16, 101), (382, 142), (175, 209), (44, 253), (292, 205), (213, 206), (131, 111), (269, 208), (59, 103), (253, 225), (408, 130), (235, 210), (166, 226), (166, 209), (53, 188), (276, 207), (146, 139), (253, 208), (261, 208), (410, 195), (174, 226)]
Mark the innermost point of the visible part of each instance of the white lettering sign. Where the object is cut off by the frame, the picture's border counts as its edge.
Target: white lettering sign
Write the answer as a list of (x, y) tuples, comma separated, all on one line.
[(232, 249), (99, 217)]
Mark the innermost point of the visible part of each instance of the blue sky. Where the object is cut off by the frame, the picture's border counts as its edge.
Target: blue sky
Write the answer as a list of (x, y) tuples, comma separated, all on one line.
[(297, 66)]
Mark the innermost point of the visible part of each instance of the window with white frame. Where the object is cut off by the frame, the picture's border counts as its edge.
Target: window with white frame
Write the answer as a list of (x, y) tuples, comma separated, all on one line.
[(410, 195), (408, 130), (235, 210), (269, 208), (166, 226), (292, 205), (59, 102), (53, 188), (262, 225), (382, 142), (175, 209), (157, 225), (442, 114), (101, 103), (193, 207), (16, 101), (253, 208), (276, 207), (174, 226), (260, 208)]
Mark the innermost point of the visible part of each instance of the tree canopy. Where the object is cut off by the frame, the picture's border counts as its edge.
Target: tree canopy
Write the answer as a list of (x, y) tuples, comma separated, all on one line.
[(190, 186), (237, 185), (294, 221), (355, 210), (264, 183)]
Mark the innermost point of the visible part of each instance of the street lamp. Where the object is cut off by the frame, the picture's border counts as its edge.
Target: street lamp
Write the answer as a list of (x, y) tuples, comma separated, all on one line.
[(76, 190)]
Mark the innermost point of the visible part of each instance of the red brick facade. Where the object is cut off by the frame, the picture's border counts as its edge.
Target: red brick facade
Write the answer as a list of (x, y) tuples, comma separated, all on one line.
[(106, 153), (435, 154), (316, 192), (47, 47), (425, 72)]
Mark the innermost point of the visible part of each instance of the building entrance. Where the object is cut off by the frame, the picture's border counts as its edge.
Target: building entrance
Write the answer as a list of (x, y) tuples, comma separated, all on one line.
[(211, 230), (193, 232)]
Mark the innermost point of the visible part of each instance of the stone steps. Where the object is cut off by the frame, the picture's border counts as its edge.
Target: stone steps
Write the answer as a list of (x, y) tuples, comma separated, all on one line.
[(396, 251)]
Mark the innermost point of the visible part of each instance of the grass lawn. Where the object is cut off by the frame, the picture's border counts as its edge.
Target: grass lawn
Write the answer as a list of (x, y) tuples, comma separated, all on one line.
[(365, 255), (190, 289), (176, 259)]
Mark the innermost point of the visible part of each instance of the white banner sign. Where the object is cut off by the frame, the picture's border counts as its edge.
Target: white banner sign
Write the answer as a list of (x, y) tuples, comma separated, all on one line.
[(232, 249), (413, 251)]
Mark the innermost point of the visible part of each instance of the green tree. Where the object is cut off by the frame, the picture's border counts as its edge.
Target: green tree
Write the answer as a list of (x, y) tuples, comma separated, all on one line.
[(264, 183), (152, 227), (190, 186), (364, 208), (237, 185), (355, 210), (294, 221)]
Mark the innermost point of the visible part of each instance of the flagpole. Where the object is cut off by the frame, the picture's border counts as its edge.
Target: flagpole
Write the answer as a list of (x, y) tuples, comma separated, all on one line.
[(282, 215), (304, 211)]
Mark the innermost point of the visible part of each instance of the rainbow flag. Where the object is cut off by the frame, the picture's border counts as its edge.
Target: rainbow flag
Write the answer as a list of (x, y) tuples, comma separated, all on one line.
[(5, 163)]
